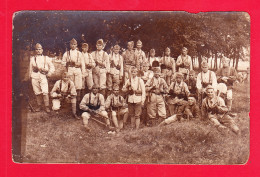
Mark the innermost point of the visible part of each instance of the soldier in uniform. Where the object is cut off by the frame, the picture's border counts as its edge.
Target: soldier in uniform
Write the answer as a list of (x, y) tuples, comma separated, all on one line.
[(146, 73), (87, 80), (156, 88), (118, 107), (169, 62), (136, 97), (74, 62), (179, 93), (129, 59), (40, 68), (184, 63), (205, 78), (152, 57), (116, 73), (93, 104), (228, 76), (139, 55), (64, 91), (214, 109), (102, 66), (191, 83)]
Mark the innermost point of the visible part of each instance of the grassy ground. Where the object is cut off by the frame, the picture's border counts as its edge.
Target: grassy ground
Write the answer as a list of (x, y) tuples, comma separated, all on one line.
[(61, 139)]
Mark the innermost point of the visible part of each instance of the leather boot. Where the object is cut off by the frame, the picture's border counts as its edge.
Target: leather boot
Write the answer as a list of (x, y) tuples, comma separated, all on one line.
[(39, 102), (46, 103), (74, 111)]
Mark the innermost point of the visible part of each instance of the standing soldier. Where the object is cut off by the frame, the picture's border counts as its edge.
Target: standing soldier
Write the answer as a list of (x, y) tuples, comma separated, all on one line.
[(93, 104), (147, 74), (129, 59), (179, 93), (115, 75), (40, 68), (156, 87), (169, 62), (215, 110), (228, 76), (136, 97), (75, 65), (118, 107), (205, 78), (102, 66), (152, 57), (64, 91), (139, 55), (87, 81), (184, 63)]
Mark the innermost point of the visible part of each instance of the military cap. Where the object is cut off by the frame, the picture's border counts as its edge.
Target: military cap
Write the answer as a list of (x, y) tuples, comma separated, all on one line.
[(139, 42), (192, 72), (209, 87), (179, 75), (184, 48), (116, 87), (134, 69), (146, 64), (130, 43), (152, 51), (167, 49), (84, 45), (204, 64), (156, 69), (192, 95), (38, 46), (100, 41), (116, 47), (163, 66), (95, 86), (73, 41), (155, 64)]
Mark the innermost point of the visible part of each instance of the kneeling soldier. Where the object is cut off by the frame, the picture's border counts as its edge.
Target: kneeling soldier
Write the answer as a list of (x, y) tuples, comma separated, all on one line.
[(136, 97), (118, 107), (178, 92), (156, 87), (64, 90), (214, 109), (93, 104)]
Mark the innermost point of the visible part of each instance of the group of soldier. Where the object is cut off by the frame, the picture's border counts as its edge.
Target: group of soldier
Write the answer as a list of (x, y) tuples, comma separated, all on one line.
[(110, 88)]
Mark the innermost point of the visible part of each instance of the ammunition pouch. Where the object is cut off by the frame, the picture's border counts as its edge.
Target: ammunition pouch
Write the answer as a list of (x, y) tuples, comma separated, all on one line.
[(43, 72), (182, 96), (213, 110), (171, 93), (131, 92), (118, 67), (35, 69), (94, 107), (115, 108), (70, 64), (88, 66), (138, 92)]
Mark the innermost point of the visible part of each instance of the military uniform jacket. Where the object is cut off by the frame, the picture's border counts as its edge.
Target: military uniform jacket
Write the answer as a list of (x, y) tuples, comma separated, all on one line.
[(191, 83), (129, 57), (62, 87), (227, 72), (209, 77), (152, 59), (147, 75), (178, 89), (194, 109), (157, 84), (92, 100), (116, 64), (113, 102), (184, 64), (101, 57), (169, 62), (74, 56), (40, 62), (139, 58), (89, 62), (209, 106)]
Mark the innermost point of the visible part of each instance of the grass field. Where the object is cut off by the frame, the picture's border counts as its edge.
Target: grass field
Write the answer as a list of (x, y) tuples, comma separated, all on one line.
[(61, 139)]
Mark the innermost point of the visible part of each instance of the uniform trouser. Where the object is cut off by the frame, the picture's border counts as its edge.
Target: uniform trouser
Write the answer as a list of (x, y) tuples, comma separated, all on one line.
[(112, 79), (229, 99), (100, 78), (75, 76), (40, 86), (126, 72), (169, 77), (176, 108), (86, 116), (156, 105), (87, 82), (120, 116), (226, 120), (56, 104)]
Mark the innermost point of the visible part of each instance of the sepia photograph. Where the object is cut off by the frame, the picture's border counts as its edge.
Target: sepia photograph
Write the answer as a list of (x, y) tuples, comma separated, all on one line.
[(131, 87)]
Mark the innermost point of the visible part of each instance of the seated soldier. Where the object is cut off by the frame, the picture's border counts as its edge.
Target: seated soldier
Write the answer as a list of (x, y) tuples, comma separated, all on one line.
[(93, 104), (118, 107), (191, 83), (64, 91), (191, 111), (156, 87), (178, 93), (136, 97), (215, 110)]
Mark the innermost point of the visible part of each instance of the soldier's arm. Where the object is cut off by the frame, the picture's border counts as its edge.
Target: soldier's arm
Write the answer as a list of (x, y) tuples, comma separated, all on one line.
[(83, 104), (64, 59), (214, 81), (165, 86), (127, 83), (83, 66), (190, 61), (108, 102), (51, 66), (55, 87), (30, 67), (107, 62), (143, 90), (222, 108), (186, 89), (178, 61), (173, 66), (198, 82), (121, 63), (102, 102)]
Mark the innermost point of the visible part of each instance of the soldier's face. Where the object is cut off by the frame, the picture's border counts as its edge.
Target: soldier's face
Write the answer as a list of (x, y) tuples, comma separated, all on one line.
[(146, 68), (167, 53), (73, 46), (191, 101), (225, 63), (204, 69), (116, 92), (65, 78), (130, 47), (152, 54), (184, 52), (116, 51), (99, 47), (85, 49), (178, 79), (38, 50), (95, 91), (139, 46), (210, 93), (134, 73), (191, 76), (157, 74)]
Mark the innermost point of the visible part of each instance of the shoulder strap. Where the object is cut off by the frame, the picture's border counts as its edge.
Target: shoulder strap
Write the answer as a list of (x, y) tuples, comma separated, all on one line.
[(60, 84), (68, 55), (44, 61), (98, 99), (138, 83), (35, 61), (210, 76), (89, 98), (77, 56)]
